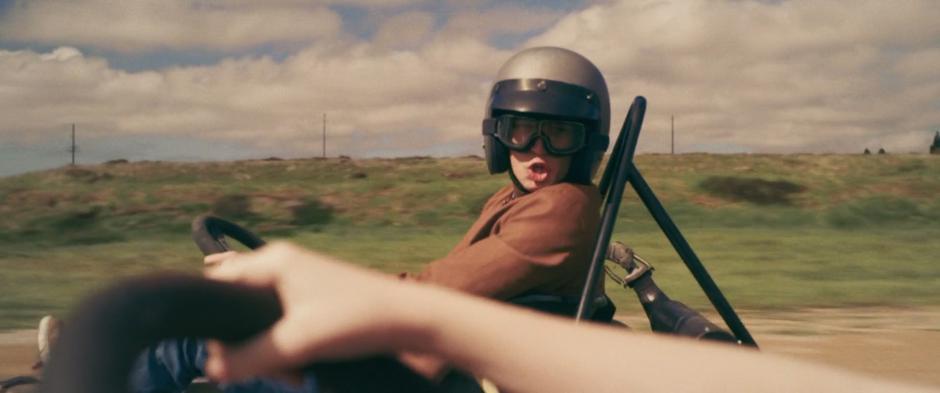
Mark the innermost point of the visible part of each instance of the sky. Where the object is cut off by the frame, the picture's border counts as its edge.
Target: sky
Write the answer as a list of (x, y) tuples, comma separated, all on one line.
[(238, 79)]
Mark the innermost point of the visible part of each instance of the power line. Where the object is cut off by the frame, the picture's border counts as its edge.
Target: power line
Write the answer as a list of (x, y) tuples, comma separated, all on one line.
[(672, 145), (74, 147)]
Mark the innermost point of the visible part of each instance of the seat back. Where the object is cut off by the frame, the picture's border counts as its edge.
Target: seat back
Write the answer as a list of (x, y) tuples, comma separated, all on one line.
[(567, 306)]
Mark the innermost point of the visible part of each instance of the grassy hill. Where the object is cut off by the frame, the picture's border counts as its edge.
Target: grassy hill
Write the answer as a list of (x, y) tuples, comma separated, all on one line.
[(775, 230)]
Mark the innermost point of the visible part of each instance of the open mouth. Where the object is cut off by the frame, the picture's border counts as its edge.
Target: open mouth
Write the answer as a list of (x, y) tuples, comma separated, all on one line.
[(538, 172)]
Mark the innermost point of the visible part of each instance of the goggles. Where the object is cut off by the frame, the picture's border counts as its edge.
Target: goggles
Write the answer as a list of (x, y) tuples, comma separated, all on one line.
[(560, 137)]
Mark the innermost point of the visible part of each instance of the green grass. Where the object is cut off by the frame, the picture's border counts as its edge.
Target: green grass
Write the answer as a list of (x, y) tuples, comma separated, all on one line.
[(853, 230)]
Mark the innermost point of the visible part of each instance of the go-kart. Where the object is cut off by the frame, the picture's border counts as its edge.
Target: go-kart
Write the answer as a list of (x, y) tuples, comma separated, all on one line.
[(110, 329)]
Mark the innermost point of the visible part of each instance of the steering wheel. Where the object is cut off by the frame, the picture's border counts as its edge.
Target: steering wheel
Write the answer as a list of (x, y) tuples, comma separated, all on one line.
[(209, 234), (111, 328)]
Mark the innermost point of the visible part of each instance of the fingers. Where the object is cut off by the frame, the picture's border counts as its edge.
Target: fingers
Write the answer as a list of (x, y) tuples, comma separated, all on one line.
[(263, 267), (260, 268), (343, 303), (272, 351), (269, 354), (216, 259)]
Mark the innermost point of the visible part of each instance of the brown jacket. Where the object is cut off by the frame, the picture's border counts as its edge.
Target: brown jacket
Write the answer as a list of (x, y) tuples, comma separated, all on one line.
[(539, 242)]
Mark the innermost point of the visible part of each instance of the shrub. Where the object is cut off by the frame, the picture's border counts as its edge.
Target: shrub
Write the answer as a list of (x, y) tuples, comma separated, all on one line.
[(232, 206), (80, 219), (753, 190), (85, 175), (312, 212), (79, 227)]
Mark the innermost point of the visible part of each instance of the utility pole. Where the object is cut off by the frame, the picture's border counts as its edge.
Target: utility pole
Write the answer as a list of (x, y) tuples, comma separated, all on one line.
[(672, 145), (324, 135), (74, 148)]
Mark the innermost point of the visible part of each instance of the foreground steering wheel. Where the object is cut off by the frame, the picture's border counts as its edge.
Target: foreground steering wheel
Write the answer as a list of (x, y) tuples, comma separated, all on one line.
[(209, 234), (111, 328)]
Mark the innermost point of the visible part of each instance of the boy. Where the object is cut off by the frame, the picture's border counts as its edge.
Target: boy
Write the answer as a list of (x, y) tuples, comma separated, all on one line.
[(546, 125)]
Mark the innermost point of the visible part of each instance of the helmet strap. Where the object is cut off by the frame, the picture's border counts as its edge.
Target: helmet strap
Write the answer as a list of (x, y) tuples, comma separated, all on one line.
[(520, 189)]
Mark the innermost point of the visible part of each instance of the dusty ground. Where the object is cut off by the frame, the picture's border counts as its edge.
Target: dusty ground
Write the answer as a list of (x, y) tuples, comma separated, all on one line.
[(897, 344), (900, 344)]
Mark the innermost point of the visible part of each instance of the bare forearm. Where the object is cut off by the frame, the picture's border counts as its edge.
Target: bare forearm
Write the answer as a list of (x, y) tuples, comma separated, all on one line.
[(520, 350), (523, 351)]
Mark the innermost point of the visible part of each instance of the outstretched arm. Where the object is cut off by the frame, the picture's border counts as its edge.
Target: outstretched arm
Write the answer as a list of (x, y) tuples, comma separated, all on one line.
[(334, 310)]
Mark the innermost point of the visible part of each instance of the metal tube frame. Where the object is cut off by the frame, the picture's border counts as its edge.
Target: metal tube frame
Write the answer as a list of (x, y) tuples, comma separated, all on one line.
[(619, 171)]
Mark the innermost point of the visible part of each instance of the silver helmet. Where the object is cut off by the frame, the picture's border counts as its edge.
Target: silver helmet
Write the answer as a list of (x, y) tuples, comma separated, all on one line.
[(556, 83)]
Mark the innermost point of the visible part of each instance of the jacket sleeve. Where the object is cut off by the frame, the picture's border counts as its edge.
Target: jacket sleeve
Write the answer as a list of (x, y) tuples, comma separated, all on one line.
[(545, 238)]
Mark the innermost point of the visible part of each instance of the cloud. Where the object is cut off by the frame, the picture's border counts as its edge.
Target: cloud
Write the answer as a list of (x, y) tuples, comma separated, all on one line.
[(488, 23), (405, 30), (786, 76), (367, 92), (134, 26), (792, 76)]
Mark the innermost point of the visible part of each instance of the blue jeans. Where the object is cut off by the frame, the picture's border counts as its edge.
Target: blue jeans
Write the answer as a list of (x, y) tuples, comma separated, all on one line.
[(171, 365)]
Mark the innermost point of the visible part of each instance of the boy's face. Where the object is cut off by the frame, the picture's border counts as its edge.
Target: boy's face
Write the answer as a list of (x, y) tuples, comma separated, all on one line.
[(537, 168)]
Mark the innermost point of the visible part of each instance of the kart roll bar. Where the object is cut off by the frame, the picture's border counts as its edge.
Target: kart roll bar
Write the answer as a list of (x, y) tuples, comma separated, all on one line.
[(619, 171)]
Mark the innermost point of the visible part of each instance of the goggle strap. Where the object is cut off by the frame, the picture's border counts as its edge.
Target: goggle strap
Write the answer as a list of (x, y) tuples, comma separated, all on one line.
[(489, 126), (599, 141)]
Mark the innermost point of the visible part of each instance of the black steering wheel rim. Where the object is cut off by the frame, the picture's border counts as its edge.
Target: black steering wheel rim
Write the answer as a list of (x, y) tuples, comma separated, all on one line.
[(209, 234)]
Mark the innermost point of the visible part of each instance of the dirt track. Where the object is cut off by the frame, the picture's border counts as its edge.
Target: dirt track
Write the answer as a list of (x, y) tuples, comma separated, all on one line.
[(900, 344), (897, 344)]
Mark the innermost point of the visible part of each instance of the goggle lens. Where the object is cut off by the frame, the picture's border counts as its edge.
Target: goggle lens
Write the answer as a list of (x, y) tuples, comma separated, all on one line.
[(564, 135), (560, 136)]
